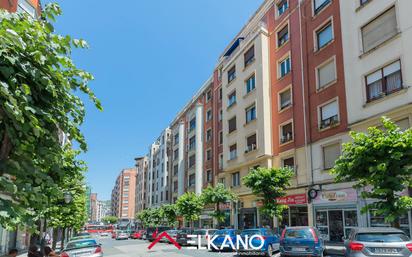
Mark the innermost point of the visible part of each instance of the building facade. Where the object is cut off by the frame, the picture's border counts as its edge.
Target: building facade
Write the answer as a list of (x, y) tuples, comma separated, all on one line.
[(123, 194), (141, 182), (286, 92)]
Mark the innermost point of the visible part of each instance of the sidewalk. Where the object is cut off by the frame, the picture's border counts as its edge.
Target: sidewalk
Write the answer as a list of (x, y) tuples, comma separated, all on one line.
[(58, 244)]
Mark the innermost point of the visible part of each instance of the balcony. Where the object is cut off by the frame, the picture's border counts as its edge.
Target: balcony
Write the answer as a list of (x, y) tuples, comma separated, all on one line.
[(286, 137), (250, 148), (329, 122)]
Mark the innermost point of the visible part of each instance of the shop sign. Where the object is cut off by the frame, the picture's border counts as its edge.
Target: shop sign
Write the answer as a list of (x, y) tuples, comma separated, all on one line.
[(336, 196), (293, 199), (224, 206)]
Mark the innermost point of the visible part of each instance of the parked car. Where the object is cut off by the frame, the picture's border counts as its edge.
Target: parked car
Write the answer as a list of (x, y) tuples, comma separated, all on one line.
[(152, 230), (364, 242), (221, 234), (104, 234), (82, 247), (144, 235), (270, 241), (204, 235), (137, 234), (181, 237), (301, 241), (122, 235), (79, 237), (172, 233)]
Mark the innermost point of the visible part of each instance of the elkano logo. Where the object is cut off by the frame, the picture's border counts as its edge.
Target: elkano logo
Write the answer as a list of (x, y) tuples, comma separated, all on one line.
[(161, 235)]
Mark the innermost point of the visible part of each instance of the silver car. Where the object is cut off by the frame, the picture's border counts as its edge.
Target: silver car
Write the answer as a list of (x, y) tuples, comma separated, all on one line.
[(83, 247), (122, 235), (204, 234), (377, 242)]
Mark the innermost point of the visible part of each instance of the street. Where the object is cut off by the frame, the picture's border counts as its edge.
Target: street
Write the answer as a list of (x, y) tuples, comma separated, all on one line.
[(138, 248)]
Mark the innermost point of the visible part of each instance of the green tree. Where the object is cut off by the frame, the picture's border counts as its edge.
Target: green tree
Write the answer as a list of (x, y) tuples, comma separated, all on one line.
[(143, 217), (110, 219), (190, 206), (168, 213), (269, 184), (217, 195), (381, 160), (38, 107)]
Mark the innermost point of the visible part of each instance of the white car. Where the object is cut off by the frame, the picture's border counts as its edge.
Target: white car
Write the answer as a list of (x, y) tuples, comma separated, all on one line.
[(122, 235), (104, 234), (83, 247)]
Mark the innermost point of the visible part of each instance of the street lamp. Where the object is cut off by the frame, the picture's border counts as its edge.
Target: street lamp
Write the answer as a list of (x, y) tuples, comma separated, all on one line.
[(67, 197)]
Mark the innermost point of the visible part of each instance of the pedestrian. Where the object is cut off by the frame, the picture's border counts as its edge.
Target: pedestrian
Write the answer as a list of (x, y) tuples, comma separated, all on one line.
[(33, 251), (48, 252), (13, 253)]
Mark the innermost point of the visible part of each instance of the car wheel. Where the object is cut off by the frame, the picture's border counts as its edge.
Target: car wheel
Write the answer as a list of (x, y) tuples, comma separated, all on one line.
[(270, 251)]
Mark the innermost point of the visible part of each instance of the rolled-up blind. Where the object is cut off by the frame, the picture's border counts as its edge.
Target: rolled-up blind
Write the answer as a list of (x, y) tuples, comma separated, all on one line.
[(326, 74), (379, 30)]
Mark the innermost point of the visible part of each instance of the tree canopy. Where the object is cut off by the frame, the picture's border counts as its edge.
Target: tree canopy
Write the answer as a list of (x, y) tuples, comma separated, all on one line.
[(39, 109), (269, 184), (217, 195), (110, 220), (380, 163), (190, 206)]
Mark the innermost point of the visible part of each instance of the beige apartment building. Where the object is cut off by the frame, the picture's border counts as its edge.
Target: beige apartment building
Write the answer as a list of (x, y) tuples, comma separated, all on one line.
[(123, 194)]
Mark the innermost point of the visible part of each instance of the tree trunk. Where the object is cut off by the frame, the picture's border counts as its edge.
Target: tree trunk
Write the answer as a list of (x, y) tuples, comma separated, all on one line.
[(63, 239), (55, 235), (396, 223)]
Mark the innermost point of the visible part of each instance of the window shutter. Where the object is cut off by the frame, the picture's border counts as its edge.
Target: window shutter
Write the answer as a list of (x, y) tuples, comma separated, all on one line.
[(379, 30), (394, 67), (330, 154), (329, 110), (326, 74)]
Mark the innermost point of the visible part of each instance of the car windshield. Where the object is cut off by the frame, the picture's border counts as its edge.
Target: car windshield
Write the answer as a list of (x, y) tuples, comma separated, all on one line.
[(251, 232), (81, 244), (299, 233), (199, 232), (382, 237)]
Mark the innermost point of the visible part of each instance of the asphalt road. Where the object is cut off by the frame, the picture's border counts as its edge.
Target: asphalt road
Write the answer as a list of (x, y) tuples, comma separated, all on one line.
[(138, 248)]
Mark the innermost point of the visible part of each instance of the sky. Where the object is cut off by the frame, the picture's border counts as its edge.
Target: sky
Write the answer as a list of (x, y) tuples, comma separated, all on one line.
[(149, 57)]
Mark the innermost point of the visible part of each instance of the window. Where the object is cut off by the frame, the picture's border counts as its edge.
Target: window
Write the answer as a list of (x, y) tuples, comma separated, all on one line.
[(220, 115), (208, 95), (176, 139), (250, 143), (284, 67), (209, 176), (286, 133), (209, 135), (379, 30), (329, 114), (282, 6), (324, 35), (161, 196), (330, 154), (233, 152), (249, 56), (231, 99), (250, 114), (220, 161), (289, 162), (384, 81), (285, 99), (220, 94), (326, 74), (175, 187), (192, 143), (403, 124), (362, 2), (231, 74), (236, 179), (192, 161), (25, 7), (192, 180), (221, 137), (176, 154), (319, 5), (250, 83), (208, 115), (232, 124), (208, 155), (283, 36), (192, 124), (175, 169)]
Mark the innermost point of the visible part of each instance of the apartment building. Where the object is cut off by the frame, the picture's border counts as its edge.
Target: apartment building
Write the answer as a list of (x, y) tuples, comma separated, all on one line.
[(158, 171), (123, 194), (246, 113), (31, 7), (377, 55), (141, 182)]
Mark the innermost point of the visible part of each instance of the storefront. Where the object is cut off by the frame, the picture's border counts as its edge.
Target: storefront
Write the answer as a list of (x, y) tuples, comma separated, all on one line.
[(247, 218), (297, 213), (335, 213), (225, 208), (206, 219)]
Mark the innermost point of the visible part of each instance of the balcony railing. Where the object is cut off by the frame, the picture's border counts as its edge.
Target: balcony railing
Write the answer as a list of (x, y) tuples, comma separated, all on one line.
[(329, 122)]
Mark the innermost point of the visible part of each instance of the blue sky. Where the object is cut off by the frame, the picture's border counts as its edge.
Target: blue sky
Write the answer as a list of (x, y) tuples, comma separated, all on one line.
[(148, 57)]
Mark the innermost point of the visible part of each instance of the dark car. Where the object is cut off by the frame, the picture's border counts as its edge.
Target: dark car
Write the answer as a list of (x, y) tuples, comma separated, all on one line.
[(270, 241), (301, 241), (365, 242), (220, 238), (182, 238), (151, 231)]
